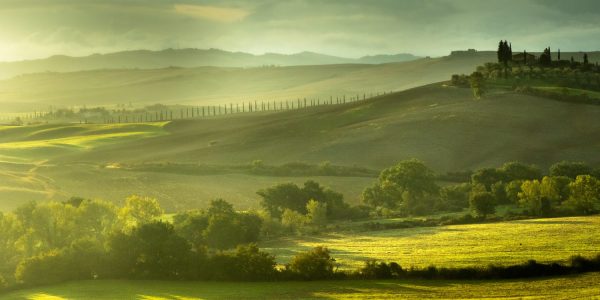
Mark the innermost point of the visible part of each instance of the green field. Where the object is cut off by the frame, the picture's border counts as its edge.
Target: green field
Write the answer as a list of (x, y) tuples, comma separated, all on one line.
[(581, 287), (505, 243), (440, 125)]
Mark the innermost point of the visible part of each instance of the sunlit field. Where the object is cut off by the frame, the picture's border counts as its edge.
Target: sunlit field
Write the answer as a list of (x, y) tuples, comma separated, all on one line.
[(581, 287), (264, 149), (505, 243)]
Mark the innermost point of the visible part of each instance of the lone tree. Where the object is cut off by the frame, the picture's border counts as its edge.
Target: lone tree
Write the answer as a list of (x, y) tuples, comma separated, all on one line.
[(477, 84), (585, 59)]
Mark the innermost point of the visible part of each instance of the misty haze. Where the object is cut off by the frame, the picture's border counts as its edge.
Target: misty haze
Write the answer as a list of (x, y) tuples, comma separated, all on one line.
[(203, 149)]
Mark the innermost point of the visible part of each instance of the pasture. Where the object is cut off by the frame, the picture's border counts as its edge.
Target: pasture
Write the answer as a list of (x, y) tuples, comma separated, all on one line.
[(443, 126), (504, 243)]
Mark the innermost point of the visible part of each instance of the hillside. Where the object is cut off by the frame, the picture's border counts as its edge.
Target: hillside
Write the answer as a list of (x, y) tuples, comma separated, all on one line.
[(211, 85), (188, 58), (441, 125)]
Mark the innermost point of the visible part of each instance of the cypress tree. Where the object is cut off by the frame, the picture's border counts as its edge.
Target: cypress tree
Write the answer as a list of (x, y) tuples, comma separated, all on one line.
[(500, 52), (585, 59), (558, 54)]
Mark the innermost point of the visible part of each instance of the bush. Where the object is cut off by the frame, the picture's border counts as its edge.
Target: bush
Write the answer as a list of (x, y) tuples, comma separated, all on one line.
[(482, 204), (380, 270), (47, 268), (313, 265)]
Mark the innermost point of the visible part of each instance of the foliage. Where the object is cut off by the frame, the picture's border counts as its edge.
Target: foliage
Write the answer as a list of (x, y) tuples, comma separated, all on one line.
[(151, 251), (477, 82), (454, 197), (316, 212), (139, 210), (570, 169), (409, 185), (482, 204), (519, 171), (293, 220), (381, 270), (584, 195), (539, 197), (316, 264), (290, 196)]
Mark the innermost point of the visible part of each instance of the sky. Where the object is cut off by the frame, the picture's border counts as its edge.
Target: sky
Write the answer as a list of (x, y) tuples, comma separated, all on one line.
[(350, 28)]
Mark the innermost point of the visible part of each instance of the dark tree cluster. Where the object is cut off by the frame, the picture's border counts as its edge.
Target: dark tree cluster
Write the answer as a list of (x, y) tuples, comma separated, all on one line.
[(504, 52), (546, 57), (289, 196)]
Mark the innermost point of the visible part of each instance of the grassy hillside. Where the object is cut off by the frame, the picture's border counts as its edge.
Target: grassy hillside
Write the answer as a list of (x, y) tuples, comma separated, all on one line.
[(212, 85), (441, 125), (506, 243), (583, 286)]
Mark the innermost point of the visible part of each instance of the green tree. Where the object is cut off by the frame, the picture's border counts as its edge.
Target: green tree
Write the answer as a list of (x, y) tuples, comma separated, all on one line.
[(498, 190), (518, 171), (482, 204), (477, 82), (570, 169), (487, 177), (253, 264), (313, 265), (409, 184), (539, 197), (293, 220), (223, 232), (512, 190), (288, 195), (151, 251), (139, 210), (455, 197), (316, 212), (585, 195)]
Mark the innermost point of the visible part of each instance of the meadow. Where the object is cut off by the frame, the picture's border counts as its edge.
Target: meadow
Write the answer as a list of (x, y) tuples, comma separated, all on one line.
[(441, 125), (503, 243), (581, 286)]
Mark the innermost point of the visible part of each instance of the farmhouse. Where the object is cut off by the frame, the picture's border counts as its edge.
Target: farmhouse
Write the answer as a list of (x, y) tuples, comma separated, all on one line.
[(519, 57)]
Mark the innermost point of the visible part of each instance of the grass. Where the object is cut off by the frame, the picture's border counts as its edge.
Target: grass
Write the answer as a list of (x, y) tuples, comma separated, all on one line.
[(582, 286), (442, 126), (569, 91), (545, 240)]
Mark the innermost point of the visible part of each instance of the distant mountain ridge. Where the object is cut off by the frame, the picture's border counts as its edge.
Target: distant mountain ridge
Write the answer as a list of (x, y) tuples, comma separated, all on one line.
[(186, 58)]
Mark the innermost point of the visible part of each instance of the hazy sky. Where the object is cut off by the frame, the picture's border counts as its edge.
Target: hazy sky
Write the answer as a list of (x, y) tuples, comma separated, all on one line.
[(351, 28)]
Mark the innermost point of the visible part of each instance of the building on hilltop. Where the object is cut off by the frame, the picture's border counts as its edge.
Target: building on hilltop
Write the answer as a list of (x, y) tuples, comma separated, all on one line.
[(463, 52), (520, 57)]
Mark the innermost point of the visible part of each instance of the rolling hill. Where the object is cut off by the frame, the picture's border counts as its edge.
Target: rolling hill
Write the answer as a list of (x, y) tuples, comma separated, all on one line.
[(212, 85), (187, 58), (439, 124)]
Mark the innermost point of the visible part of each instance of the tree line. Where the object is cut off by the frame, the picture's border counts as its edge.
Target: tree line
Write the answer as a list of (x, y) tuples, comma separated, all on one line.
[(410, 188), (161, 113), (520, 71)]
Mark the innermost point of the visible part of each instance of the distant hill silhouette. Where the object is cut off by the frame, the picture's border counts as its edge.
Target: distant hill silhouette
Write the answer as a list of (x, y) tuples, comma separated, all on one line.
[(186, 58)]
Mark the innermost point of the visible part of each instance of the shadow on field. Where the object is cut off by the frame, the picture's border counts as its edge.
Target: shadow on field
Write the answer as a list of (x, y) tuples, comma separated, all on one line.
[(551, 222)]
